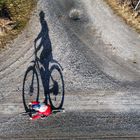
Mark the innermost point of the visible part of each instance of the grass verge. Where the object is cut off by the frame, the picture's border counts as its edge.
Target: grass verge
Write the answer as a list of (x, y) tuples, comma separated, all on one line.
[(125, 11), (17, 11)]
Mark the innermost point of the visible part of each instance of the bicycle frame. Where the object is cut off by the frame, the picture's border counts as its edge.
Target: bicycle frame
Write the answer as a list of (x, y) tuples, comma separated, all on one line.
[(36, 60), (36, 65)]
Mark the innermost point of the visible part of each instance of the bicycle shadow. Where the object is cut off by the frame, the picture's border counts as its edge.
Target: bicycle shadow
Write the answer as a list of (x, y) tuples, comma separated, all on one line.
[(45, 54), (51, 76), (46, 57)]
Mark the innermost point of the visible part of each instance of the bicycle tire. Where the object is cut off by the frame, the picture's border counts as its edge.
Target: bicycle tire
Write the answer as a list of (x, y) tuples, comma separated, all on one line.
[(30, 91), (56, 89)]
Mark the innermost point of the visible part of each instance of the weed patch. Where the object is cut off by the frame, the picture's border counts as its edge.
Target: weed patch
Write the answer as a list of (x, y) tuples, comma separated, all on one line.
[(14, 15)]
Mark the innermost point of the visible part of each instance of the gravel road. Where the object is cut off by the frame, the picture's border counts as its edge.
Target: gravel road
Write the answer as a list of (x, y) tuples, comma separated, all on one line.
[(100, 57)]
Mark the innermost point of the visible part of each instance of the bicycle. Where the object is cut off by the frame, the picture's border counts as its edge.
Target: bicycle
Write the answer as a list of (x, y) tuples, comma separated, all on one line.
[(31, 84)]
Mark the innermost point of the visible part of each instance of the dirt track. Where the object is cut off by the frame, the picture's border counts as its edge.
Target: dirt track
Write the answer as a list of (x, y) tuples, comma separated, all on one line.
[(97, 54)]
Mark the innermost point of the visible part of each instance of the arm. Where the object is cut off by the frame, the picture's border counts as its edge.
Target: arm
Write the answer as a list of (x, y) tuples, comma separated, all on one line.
[(36, 39)]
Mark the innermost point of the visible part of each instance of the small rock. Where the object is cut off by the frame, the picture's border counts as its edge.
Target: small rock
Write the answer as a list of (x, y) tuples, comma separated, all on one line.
[(75, 14)]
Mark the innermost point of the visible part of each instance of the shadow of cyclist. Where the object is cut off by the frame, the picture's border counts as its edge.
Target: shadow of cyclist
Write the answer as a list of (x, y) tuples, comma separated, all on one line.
[(46, 53)]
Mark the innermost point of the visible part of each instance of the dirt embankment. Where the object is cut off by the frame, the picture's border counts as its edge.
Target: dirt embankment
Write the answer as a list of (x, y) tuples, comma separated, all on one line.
[(13, 18), (125, 9)]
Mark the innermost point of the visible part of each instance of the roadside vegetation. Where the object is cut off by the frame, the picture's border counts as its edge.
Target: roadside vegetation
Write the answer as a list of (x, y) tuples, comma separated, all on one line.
[(125, 9), (14, 15)]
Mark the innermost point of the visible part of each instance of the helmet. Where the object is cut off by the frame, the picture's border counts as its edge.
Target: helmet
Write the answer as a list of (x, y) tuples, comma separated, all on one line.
[(45, 109)]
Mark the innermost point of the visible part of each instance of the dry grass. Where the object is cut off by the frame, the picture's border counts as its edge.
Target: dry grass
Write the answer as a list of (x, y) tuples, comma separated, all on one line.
[(130, 16), (19, 12)]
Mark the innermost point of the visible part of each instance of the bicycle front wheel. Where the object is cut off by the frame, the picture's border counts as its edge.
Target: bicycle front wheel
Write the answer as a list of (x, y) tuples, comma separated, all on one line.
[(30, 91), (56, 87)]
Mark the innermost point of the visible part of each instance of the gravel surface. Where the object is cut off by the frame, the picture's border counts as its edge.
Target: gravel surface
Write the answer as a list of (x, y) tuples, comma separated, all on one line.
[(97, 53)]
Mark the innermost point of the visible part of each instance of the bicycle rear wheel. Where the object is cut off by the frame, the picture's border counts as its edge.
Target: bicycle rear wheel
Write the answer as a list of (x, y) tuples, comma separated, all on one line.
[(56, 88), (30, 91)]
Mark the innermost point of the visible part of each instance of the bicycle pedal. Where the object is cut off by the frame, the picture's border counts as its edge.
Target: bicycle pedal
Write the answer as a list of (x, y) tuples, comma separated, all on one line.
[(24, 113)]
